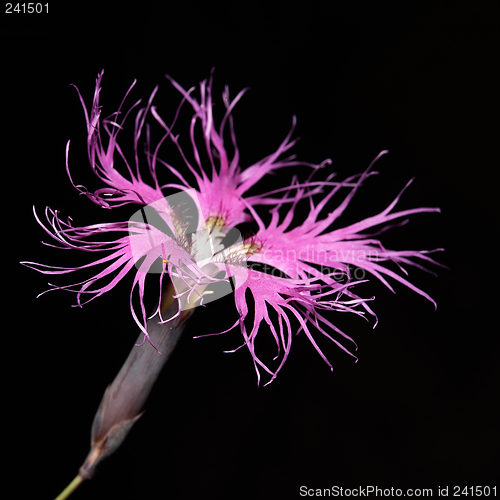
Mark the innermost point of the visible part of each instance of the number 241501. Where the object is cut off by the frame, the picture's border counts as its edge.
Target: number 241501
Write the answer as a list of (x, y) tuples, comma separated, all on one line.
[(26, 8)]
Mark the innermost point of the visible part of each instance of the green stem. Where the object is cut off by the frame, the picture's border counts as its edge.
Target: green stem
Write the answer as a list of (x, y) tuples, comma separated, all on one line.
[(70, 488)]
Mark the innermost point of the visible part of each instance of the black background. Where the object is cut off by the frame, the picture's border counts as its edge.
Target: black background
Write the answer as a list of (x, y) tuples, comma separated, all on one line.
[(419, 409)]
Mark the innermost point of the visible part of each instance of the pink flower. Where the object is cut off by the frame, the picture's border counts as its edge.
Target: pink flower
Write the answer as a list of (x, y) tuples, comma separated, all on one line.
[(299, 272), (297, 253)]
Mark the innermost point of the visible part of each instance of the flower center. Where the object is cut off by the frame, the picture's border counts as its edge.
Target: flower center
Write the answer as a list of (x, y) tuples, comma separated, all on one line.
[(239, 252), (215, 221)]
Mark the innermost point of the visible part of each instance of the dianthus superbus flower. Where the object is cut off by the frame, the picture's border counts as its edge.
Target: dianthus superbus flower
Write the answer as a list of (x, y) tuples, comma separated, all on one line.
[(313, 259), (184, 234)]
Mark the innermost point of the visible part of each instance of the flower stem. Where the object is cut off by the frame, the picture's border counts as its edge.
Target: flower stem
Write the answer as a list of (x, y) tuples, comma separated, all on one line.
[(70, 488), (121, 405)]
